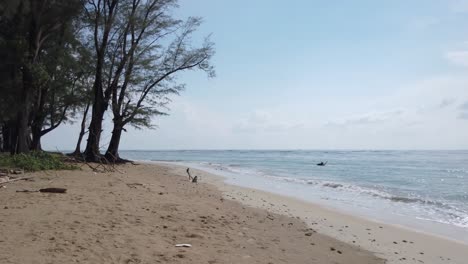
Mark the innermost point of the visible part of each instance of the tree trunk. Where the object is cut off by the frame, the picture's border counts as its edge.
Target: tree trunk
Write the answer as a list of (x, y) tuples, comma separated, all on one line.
[(21, 127), (100, 99), (92, 152), (37, 122), (38, 118), (36, 137), (3, 138), (21, 133), (21, 137), (112, 153), (7, 136), (82, 131)]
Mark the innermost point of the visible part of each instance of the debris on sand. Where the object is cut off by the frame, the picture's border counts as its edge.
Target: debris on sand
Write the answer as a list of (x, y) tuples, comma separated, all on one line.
[(183, 245)]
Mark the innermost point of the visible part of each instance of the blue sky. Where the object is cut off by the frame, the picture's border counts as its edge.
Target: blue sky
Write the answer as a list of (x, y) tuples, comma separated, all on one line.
[(319, 75)]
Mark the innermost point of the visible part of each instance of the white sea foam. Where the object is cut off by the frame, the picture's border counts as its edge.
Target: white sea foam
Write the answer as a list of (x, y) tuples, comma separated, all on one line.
[(410, 186), (435, 211)]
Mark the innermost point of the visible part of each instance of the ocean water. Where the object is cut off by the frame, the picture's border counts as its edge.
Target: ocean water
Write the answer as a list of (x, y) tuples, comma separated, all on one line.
[(423, 190)]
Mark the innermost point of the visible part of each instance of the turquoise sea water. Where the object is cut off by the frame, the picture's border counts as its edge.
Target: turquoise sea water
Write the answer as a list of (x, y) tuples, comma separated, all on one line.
[(426, 190)]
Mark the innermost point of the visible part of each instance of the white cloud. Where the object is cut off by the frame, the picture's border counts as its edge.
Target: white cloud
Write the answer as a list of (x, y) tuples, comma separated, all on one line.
[(463, 115), (421, 23), (459, 6), (459, 57), (430, 113), (446, 103), (464, 111), (264, 121), (373, 117), (464, 106)]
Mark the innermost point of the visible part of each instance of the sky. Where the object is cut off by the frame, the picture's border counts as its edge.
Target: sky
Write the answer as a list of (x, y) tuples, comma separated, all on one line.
[(305, 74)]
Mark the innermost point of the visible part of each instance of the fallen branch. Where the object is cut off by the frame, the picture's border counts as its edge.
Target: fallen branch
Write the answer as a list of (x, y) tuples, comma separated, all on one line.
[(112, 164), (133, 185), (6, 172), (16, 179), (97, 170), (94, 169)]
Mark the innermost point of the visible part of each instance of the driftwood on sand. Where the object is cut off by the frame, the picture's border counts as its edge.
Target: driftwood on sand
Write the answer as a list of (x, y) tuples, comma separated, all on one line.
[(133, 185), (6, 172), (183, 245), (4, 180), (103, 165), (53, 190), (47, 190)]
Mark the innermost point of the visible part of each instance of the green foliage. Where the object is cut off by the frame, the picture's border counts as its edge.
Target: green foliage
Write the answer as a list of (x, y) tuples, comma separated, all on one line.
[(43, 67), (35, 161)]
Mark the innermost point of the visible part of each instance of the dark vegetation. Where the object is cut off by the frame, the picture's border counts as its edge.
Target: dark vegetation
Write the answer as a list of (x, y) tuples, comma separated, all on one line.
[(35, 161), (64, 61)]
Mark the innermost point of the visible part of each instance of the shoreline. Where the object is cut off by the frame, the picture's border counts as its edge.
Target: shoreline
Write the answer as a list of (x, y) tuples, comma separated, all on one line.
[(395, 243), (415, 225), (388, 186)]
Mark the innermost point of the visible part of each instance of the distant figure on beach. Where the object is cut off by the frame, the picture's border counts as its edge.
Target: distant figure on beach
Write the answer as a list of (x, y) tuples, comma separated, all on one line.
[(189, 176), (192, 179), (322, 163)]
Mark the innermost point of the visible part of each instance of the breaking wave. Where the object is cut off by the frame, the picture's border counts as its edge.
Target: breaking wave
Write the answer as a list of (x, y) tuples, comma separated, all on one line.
[(452, 214)]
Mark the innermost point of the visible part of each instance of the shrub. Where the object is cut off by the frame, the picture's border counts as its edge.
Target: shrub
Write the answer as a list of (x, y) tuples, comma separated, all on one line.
[(35, 161)]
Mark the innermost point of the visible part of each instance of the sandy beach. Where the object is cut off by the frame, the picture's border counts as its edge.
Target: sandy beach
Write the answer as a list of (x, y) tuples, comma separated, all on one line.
[(395, 244), (327, 132), (140, 212)]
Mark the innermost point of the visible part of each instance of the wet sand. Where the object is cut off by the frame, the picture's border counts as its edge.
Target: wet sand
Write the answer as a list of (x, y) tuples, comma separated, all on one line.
[(395, 244)]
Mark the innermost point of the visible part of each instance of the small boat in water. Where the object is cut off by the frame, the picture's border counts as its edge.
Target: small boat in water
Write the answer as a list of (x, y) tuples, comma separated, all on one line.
[(322, 163)]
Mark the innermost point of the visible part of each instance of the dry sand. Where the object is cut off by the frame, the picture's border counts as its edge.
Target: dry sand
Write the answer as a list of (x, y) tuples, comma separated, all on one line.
[(138, 216)]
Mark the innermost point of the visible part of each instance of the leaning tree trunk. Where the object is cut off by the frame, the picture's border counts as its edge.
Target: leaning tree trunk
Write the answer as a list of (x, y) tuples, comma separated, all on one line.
[(92, 152), (100, 101), (100, 104), (112, 153), (77, 151)]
